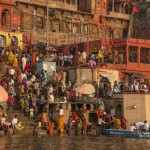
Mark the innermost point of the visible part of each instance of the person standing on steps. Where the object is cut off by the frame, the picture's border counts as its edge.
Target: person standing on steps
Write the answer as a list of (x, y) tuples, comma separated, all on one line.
[(14, 123)]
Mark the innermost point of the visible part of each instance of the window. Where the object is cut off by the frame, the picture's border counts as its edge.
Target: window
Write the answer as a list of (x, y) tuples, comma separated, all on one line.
[(68, 1), (14, 41), (5, 21), (145, 55), (2, 40), (133, 54), (73, 1)]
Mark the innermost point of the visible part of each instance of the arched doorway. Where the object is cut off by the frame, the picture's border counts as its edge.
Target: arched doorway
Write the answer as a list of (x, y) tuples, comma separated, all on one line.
[(14, 41), (119, 111), (2, 40), (5, 21)]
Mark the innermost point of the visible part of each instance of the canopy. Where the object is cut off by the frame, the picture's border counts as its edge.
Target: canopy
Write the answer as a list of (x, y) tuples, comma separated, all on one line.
[(107, 76), (84, 88), (138, 75), (3, 95)]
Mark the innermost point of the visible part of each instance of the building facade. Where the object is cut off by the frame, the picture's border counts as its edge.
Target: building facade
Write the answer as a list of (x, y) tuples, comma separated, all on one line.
[(10, 25), (71, 21)]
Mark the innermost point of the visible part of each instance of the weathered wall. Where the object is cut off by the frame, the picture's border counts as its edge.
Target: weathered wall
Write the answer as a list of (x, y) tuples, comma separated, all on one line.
[(91, 75), (69, 26)]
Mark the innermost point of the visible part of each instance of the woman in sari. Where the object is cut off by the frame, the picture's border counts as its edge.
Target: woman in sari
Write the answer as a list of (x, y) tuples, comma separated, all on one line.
[(123, 122), (50, 127), (5, 57), (61, 125), (15, 62), (10, 56), (22, 104), (24, 82), (70, 126), (21, 91)]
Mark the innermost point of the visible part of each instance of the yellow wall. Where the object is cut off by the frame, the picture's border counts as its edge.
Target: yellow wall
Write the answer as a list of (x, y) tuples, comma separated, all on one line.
[(8, 36)]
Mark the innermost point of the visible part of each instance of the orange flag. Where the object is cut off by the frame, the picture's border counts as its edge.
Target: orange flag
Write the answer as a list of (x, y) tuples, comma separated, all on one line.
[(134, 10)]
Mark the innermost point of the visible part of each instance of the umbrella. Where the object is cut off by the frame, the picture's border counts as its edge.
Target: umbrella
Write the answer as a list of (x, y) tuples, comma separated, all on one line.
[(3, 95), (84, 88)]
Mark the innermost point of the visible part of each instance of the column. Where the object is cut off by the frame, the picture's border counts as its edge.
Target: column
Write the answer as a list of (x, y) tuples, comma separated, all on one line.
[(127, 54), (139, 56), (0, 18)]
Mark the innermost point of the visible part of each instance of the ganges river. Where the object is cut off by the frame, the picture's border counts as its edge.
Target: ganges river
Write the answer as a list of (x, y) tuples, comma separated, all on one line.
[(29, 142)]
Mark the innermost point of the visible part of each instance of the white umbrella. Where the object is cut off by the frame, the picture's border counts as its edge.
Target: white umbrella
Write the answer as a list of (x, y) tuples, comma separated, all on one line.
[(84, 88)]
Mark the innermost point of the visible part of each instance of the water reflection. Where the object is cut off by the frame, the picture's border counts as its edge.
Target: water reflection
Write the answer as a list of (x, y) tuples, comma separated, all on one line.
[(28, 142)]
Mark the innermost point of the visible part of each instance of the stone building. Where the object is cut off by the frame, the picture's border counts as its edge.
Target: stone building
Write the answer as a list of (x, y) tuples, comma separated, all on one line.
[(72, 21), (141, 24), (10, 25)]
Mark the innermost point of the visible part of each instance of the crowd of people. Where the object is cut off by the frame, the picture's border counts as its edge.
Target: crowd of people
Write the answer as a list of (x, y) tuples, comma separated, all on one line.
[(32, 92), (128, 84)]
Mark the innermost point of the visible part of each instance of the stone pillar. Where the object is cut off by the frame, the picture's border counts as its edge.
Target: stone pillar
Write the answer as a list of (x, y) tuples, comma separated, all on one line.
[(139, 56), (127, 54)]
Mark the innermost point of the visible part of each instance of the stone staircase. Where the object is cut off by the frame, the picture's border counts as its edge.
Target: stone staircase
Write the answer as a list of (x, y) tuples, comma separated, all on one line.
[(21, 116), (26, 122)]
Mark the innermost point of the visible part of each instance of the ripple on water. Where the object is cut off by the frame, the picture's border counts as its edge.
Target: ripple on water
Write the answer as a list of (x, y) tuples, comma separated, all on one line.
[(29, 142)]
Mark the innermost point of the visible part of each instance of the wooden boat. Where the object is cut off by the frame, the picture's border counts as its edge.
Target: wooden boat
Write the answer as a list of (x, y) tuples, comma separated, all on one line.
[(125, 133), (114, 132), (137, 135)]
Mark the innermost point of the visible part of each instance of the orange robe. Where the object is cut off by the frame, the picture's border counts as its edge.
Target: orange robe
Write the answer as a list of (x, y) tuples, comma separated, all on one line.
[(33, 59), (50, 127)]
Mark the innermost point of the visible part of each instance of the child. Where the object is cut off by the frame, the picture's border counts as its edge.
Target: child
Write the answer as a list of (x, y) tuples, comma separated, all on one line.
[(31, 113)]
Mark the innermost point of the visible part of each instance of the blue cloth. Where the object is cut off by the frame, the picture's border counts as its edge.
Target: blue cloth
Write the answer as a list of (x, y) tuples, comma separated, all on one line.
[(30, 59)]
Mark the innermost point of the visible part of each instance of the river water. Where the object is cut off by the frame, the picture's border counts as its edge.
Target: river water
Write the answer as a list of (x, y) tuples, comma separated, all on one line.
[(29, 142)]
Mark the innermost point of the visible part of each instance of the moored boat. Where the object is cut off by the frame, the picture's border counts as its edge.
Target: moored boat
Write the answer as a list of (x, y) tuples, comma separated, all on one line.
[(114, 132), (138, 135)]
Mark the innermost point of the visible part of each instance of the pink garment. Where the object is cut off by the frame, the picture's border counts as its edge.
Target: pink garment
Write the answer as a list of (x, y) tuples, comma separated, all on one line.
[(10, 100), (92, 63)]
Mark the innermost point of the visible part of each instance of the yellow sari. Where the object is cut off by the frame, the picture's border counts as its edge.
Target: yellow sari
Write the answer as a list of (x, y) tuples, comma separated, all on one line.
[(117, 123), (21, 91), (15, 62), (22, 103), (10, 56), (61, 123)]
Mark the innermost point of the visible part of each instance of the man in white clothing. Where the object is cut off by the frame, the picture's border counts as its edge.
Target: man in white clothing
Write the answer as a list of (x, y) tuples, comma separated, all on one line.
[(22, 75), (14, 123), (24, 61)]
